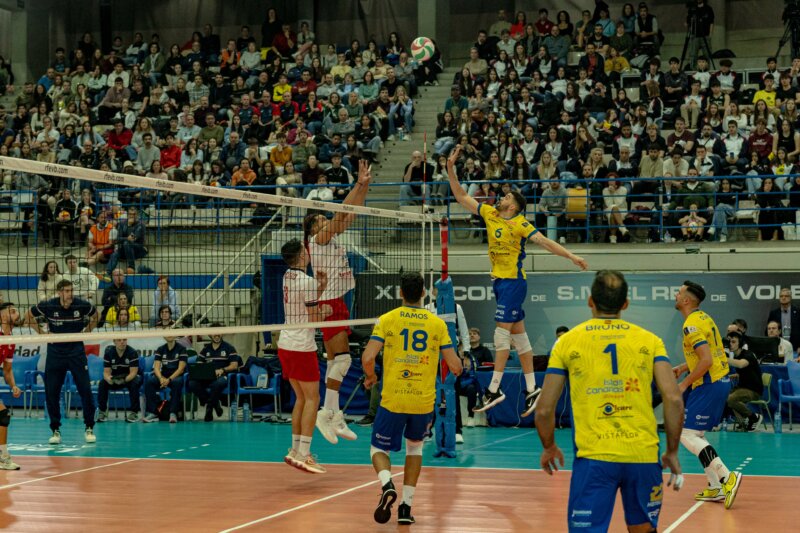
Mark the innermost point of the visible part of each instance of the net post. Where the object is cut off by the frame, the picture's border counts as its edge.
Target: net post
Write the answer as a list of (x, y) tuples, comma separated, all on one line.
[(444, 233)]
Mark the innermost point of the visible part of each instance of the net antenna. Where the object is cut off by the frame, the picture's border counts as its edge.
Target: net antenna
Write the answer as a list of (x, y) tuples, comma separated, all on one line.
[(212, 251)]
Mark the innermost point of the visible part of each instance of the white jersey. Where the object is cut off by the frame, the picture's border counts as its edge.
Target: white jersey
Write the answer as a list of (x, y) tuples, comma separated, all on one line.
[(299, 293), (84, 283), (332, 259)]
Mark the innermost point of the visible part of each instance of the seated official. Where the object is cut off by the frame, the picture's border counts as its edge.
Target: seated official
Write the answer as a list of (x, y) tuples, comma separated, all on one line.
[(785, 351), (479, 353), (168, 372), (750, 386), (225, 360), (120, 371)]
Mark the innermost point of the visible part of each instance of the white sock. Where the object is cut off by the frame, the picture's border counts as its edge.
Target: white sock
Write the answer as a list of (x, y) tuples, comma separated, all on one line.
[(530, 382), (3, 449), (719, 468), (332, 400), (385, 476), (495, 383), (408, 494), (295, 442), (713, 480), (304, 447), (623, 230)]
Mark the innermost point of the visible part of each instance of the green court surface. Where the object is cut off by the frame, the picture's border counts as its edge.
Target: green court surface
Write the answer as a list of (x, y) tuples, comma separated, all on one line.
[(758, 453)]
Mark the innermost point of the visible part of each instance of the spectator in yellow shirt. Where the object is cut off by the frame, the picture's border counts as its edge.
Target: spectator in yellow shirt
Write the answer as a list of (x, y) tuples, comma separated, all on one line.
[(280, 89), (282, 153), (767, 93)]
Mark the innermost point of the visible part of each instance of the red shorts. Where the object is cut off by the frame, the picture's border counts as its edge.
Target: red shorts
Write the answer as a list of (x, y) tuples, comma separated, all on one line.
[(340, 312), (302, 366)]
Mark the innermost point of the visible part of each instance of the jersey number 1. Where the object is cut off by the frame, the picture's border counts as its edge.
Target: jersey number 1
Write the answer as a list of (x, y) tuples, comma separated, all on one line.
[(611, 349)]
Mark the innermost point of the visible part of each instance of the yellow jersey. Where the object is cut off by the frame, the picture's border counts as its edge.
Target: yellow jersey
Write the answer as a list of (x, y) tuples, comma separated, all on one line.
[(507, 239), (412, 338), (700, 329), (609, 363)]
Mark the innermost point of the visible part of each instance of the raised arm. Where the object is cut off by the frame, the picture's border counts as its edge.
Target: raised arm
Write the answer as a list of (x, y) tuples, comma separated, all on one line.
[(555, 248), (455, 187), (356, 196)]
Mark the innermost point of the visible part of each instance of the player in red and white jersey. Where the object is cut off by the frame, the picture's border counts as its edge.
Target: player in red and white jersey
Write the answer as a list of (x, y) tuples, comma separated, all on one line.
[(297, 351), (328, 255), (9, 316)]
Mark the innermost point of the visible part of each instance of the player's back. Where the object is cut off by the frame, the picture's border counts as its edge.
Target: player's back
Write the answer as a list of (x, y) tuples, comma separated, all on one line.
[(610, 367), (299, 293), (699, 329), (412, 339), (507, 239)]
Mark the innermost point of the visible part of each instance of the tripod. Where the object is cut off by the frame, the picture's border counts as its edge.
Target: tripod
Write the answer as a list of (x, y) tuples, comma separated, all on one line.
[(792, 31), (691, 43)]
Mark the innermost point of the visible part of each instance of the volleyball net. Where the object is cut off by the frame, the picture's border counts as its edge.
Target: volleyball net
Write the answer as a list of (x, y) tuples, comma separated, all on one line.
[(152, 253)]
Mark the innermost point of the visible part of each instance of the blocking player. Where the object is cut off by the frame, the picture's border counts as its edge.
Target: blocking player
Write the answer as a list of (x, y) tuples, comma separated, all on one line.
[(327, 254), (66, 314), (707, 365), (508, 231), (297, 351), (611, 365), (9, 317), (412, 339)]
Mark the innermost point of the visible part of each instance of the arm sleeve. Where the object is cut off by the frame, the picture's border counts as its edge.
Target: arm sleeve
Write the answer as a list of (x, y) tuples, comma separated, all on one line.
[(310, 292), (377, 331), (558, 363), (37, 311), (660, 351), (444, 333), (693, 336), (526, 230), (107, 357), (463, 329)]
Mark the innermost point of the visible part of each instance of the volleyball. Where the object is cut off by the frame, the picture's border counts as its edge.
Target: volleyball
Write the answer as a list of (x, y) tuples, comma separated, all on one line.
[(64, 216), (421, 49)]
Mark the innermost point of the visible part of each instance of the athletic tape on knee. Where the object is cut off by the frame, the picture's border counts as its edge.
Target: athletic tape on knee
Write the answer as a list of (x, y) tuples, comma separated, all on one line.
[(5, 418), (693, 441), (502, 339), (413, 447), (521, 343), (707, 455), (373, 450), (339, 367)]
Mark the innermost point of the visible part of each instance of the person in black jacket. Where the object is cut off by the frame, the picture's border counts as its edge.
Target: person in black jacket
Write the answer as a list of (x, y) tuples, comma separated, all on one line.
[(750, 387), (788, 316)]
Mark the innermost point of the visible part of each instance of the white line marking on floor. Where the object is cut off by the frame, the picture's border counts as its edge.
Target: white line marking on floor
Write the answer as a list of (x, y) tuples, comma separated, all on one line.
[(683, 517), (10, 485)]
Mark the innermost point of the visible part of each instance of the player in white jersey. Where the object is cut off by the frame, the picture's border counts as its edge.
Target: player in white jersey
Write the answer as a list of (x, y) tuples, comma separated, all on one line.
[(328, 255), (297, 351)]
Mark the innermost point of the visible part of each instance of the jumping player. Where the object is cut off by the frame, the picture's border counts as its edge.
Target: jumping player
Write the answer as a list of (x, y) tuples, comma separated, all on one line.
[(708, 370), (616, 441), (412, 339), (508, 231), (297, 351), (9, 317), (329, 255)]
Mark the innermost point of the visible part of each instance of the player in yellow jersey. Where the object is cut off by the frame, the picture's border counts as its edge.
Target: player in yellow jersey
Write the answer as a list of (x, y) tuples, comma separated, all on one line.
[(508, 231), (611, 365), (708, 370), (412, 339)]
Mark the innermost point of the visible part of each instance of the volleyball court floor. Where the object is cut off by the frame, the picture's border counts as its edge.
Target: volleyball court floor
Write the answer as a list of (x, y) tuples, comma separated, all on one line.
[(223, 476)]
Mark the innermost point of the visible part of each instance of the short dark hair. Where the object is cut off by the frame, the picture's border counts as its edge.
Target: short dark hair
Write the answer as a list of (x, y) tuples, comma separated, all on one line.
[(609, 291), (412, 284), (64, 283), (6, 305), (741, 322), (735, 334), (696, 290), (520, 200), (69, 258), (561, 329), (291, 250)]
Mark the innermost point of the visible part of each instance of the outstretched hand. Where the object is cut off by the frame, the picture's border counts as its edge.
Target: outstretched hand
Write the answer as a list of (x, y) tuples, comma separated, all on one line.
[(580, 262), (364, 172), (451, 161)]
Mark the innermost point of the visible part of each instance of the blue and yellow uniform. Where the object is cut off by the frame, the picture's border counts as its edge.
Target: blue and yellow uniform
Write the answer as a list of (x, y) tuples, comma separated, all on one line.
[(507, 238), (610, 365), (709, 394), (412, 338)]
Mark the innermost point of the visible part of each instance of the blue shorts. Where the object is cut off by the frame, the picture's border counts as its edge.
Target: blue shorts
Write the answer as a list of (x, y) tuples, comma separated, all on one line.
[(390, 428), (705, 405), (510, 295), (593, 491)]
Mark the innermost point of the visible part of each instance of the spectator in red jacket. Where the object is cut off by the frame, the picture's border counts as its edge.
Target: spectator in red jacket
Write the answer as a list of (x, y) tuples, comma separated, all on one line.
[(303, 86), (760, 140), (170, 154), (120, 139), (285, 43)]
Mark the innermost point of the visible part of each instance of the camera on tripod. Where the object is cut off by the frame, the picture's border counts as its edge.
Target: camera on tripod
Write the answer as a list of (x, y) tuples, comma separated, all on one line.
[(791, 10)]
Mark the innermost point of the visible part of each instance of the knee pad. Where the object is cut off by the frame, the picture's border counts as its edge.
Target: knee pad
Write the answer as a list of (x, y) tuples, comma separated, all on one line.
[(502, 339), (521, 343), (339, 367), (693, 441), (707, 455), (5, 418), (373, 450), (413, 447)]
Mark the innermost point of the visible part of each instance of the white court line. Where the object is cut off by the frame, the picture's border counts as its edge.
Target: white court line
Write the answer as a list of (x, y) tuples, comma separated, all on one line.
[(303, 506), (683, 517), (10, 485), (496, 442)]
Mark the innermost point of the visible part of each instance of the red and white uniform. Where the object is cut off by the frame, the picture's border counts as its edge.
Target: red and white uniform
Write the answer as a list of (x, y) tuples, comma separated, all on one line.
[(297, 349), (6, 351), (332, 259)]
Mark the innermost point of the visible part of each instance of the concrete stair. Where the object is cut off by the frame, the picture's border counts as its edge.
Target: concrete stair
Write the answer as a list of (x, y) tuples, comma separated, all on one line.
[(396, 154)]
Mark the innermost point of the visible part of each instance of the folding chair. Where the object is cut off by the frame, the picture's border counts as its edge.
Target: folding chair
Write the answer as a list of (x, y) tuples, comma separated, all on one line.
[(766, 398), (789, 390), (250, 384)]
